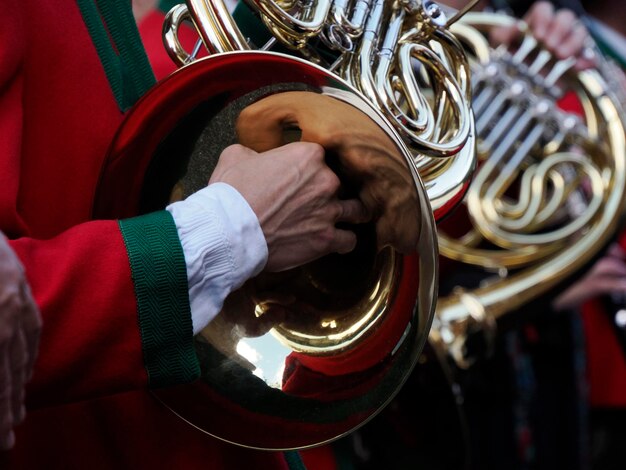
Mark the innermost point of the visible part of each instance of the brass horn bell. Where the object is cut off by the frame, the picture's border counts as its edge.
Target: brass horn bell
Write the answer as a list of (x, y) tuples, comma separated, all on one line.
[(361, 320)]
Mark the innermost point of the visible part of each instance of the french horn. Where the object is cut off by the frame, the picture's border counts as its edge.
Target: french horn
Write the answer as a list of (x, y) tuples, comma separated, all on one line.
[(548, 193), (376, 47), (361, 319)]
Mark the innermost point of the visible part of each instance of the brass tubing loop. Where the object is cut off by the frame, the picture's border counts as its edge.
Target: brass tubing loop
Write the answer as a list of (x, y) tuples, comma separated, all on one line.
[(399, 54)]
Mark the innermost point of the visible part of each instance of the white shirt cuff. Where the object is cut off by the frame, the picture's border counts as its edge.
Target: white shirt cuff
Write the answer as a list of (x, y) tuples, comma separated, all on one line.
[(223, 244)]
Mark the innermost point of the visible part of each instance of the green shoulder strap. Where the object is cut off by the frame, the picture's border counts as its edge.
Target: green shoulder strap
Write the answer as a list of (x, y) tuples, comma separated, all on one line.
[(115, 36)]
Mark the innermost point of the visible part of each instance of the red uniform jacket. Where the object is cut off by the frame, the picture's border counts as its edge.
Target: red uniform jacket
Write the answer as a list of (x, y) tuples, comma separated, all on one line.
[(65, 81)]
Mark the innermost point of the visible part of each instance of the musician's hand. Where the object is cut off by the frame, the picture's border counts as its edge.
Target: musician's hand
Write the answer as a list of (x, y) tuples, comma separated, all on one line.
[(368, 158), (294, 195), (560, 31), (20, 325), (606, 277)]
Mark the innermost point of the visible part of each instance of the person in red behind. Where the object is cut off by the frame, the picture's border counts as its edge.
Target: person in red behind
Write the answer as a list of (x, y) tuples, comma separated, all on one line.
[(600, 294)]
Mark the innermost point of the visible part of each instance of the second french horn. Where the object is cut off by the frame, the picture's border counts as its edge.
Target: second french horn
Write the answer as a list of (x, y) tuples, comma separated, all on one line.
[(549, 190)]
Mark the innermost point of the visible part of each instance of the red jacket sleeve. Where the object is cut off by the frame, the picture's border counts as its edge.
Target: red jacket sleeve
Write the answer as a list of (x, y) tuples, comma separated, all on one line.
[(115, 309), (113, 295)]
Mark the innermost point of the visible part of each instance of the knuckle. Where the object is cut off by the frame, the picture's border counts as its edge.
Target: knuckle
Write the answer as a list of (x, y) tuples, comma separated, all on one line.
[(541, 4), (231, 152), (227, 152), (333, 182), (565, 15), (337, 210), (538, 9), (312, 151), (329, 181), (307, 158), (324, 240)]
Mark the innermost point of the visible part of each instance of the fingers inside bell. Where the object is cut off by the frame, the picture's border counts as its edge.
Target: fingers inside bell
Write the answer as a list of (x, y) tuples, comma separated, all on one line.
[(353, 211), (344, 241)]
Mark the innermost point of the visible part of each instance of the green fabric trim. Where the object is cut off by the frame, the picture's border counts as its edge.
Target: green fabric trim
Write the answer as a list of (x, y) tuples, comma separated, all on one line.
[(118, 15), (294, 460), (167, 5), (100, 39), (114, 33), (160, 279)]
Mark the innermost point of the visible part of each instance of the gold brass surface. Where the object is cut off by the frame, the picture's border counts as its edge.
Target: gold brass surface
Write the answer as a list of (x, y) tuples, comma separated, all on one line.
[(549, 190)]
